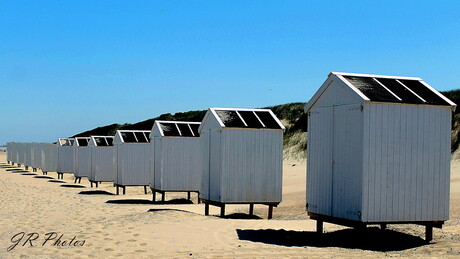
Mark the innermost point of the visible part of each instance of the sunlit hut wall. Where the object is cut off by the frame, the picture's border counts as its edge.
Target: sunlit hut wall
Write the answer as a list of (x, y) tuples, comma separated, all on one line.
[(82, 158), (37, 152), (103, 163), (66, 156), (242, 151), (21, 153), (50, 158), (133, 165), (176, 158), (9, 152), (378, 149), (27, 148)]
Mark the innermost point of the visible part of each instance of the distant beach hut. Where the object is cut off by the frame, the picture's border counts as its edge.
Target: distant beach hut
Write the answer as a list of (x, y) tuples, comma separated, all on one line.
[(103, 164), (37, 152), (175, 158), (378, 152), (133, 158), (28, 154), (49, 158), (243, 157), (82, 158), (66, 156)]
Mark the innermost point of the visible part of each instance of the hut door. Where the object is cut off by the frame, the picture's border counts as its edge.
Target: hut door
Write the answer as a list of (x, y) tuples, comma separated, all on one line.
[(320, 153), (346, 179)]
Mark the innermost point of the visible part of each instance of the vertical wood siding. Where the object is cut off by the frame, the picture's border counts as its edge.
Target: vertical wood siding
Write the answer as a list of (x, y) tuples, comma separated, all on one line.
[(49, 157), (251, 165), (133, 164), (66, 159), (103, 168), (82, 161), (177, 164), (406, 164)]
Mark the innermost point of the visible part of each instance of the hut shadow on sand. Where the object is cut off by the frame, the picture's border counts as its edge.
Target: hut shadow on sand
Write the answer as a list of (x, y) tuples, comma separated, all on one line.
[(145, 201), (72, 186), (372, 239), (96, 192), (43, 177)]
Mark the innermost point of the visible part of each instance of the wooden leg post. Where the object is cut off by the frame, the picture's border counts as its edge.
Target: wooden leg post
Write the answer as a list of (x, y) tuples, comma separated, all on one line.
[(79, 179), (163, 196), (154, 195), (222, 210), (118, 192), (97, 184), (319, 226), (145, 189), (428, 233), (206, 209), (251, 209), (383, 226), (270, 211), (188, 195), (124, 189), (91, 184)]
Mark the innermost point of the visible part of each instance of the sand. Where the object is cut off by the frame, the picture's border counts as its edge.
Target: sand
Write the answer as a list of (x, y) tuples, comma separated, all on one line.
[(103, 225)]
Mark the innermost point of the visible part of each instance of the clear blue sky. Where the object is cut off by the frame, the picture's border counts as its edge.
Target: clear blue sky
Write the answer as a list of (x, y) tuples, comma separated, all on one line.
[(70, 66)]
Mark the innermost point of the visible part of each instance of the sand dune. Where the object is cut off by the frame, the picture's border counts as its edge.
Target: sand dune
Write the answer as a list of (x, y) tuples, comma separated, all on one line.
[(131, 226)]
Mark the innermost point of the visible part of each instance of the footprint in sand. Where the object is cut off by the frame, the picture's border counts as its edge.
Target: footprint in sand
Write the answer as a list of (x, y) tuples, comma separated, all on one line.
[(143, 244), (109, 249), (135, 235), (132, 240), (140, 251)]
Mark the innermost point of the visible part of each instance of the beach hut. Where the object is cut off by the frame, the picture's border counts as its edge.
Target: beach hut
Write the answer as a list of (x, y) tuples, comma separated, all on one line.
[(66, 156), (49, 158), (37, 150), (378, 152), (103, 164), (9, 152), (242, 158), (28, 155), (175, 157), (133, 158), (82, 158)]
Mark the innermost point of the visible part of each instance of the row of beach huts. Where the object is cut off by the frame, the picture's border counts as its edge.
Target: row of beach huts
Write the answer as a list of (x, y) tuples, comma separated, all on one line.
[(378, 153)]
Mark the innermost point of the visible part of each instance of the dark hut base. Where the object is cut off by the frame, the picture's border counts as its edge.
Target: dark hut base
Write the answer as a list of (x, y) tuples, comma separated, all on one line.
[(78, 179), (320, 219), (251, 206), (61, 174), (123, 187), (97, 183), (155, 191)]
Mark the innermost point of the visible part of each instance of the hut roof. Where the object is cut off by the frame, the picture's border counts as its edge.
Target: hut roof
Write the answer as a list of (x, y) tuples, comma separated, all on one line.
[(178, 128), (134, 136), (101, 141), (388, 89), (245, 118)]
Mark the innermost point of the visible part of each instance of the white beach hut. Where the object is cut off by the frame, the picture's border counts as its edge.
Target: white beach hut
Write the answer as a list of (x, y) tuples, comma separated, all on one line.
[(27, 149), (378, 152), (37, 151), (66, 156), (82, 158), (175, 158), (133, 158), (103, 164), (21, 153), (10, 152), (243, 157), (49, 158)]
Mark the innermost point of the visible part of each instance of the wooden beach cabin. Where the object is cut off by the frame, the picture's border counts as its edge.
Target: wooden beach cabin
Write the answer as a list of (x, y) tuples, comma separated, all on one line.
[(175, 158), (82, 158), (133, 158), (378, 152), (49, 157), (66, 156), (103, 164), (37, 152), (242, 158)]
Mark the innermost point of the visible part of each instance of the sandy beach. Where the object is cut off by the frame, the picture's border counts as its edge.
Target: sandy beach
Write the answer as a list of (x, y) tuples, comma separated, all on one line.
[(67, 220)]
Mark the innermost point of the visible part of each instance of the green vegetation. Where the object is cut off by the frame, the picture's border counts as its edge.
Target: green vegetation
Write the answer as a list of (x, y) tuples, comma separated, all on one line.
[(291, 115)]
